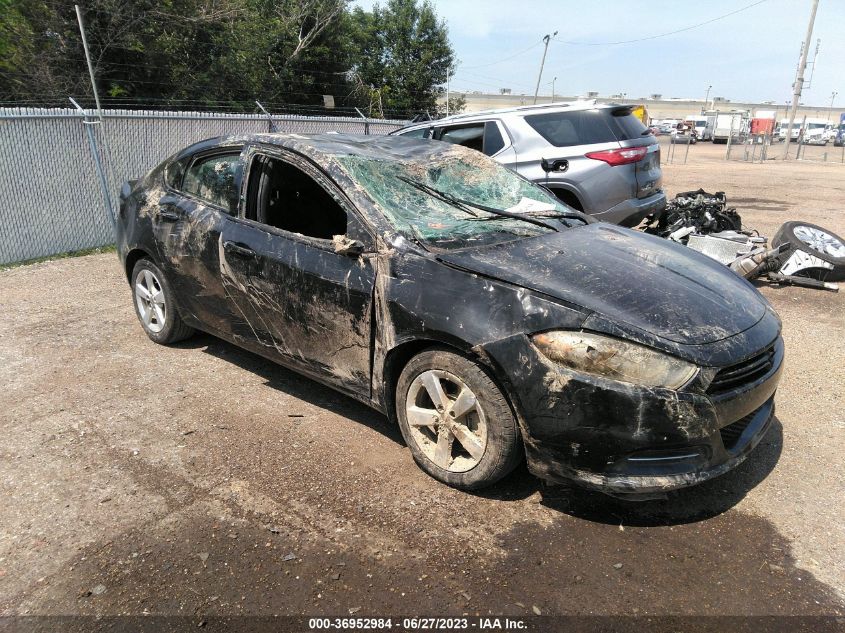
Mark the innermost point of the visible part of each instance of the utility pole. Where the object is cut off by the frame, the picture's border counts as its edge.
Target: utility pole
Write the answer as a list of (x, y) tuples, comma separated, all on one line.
[(447, 92), (88, 60), (799, 78), (832, 97), (546, 39)]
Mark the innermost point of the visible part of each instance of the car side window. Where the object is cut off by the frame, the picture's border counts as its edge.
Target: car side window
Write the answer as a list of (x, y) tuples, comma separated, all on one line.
[(283, 196), (493, 141), (471, 136), (213, 179), (482, 137), (175, 172)]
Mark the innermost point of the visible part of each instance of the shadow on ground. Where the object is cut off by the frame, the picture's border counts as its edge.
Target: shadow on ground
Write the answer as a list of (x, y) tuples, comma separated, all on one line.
[(295, 385), (693, 504)]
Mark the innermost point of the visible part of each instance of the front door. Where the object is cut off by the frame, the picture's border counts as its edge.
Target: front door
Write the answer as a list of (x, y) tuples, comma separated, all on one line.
[(302, 300)]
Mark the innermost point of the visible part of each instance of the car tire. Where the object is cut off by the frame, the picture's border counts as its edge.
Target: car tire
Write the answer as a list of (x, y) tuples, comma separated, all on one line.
[(154, 305), (443, 449), (817, 241)]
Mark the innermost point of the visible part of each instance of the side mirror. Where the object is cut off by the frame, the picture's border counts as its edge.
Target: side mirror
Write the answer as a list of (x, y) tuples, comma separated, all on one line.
[(346, 246)]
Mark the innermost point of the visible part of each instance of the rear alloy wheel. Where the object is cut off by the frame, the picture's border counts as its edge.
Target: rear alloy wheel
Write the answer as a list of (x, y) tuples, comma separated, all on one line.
[(154, 305), (456, 421), (149, 297)]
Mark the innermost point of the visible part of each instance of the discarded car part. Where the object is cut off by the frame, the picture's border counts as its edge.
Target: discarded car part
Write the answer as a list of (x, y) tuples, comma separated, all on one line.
[(375, 264), (681, 234), (756, 262), (703, 222), (800, 260), (826, 249), (704, 212), (725, 246), (806, 282)]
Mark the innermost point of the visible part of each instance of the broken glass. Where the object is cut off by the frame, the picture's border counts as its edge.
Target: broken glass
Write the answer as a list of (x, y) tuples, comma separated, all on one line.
[(429, 200)]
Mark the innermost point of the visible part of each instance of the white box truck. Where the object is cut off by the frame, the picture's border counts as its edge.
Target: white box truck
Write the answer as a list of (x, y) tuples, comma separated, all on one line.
[(731, 125)]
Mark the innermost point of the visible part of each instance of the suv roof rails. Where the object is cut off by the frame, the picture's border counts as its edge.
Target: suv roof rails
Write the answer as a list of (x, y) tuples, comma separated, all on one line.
[(521, 108)]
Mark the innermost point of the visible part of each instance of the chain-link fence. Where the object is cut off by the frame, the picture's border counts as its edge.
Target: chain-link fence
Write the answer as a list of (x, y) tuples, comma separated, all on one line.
[(51, 200)]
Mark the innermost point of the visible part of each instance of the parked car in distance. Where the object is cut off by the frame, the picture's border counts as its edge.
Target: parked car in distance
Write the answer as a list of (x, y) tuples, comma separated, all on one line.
[(699, 124), (491, 321), (599, 159), (684, 133), (668, 126)]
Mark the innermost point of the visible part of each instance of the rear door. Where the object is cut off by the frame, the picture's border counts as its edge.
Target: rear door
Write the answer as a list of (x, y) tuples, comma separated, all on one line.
[(569, 137), (488, 137), (298, 298), (200, 200)]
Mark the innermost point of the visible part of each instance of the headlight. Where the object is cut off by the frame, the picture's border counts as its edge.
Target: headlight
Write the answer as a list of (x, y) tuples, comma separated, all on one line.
[(614, 358)]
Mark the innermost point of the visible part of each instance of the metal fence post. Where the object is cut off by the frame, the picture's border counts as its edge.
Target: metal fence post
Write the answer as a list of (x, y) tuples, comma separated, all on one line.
[(730, 138), (95, 153), (366, 122)]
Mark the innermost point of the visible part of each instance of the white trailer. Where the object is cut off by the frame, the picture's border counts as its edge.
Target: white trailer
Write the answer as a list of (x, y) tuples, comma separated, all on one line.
[(731, 125)]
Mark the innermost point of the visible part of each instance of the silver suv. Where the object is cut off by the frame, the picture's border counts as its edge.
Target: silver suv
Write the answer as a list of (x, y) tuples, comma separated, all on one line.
[(599, 159)]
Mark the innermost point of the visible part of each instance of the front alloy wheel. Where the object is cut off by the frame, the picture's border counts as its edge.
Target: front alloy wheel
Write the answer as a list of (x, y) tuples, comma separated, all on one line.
[(446, 421), (456, 421)]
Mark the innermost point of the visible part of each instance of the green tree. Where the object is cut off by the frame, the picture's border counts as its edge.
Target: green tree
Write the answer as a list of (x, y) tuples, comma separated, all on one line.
[(405, 54), (201, 54)]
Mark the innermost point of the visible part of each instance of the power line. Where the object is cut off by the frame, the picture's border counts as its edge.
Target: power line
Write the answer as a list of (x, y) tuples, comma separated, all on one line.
[(522, 52), (654, 37)]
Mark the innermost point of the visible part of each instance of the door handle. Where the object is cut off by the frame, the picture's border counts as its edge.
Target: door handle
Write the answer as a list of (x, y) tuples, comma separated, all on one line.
[(236, 249), (169, 214)]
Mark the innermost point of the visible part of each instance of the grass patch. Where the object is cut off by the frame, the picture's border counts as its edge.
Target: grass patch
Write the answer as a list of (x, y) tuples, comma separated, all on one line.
[(111, 248)]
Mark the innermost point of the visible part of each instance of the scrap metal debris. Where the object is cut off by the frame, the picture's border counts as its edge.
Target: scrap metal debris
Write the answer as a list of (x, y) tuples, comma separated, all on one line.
[(704, 222)]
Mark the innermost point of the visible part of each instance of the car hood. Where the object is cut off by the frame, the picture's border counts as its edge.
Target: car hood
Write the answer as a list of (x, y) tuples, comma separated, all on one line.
[(652, 284)]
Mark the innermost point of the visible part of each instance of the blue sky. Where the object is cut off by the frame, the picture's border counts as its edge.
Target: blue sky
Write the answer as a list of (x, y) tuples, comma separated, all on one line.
[(749, 56)]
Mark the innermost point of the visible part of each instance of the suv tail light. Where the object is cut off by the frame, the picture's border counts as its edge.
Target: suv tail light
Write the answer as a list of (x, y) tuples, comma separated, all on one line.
[(621, 156)]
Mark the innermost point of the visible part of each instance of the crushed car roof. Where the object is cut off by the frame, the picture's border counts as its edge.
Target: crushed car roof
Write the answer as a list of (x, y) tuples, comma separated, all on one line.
[(319, 146)]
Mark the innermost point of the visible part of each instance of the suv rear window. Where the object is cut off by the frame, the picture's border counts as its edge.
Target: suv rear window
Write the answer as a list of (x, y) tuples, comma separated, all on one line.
[(626, 125), (586, 127)]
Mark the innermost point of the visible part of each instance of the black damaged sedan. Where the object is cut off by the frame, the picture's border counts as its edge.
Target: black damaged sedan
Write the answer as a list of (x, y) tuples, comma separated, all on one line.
[(469, 305)]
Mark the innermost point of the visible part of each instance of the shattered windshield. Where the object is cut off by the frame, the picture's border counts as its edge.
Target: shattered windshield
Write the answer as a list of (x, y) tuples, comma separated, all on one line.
[(450, 201)]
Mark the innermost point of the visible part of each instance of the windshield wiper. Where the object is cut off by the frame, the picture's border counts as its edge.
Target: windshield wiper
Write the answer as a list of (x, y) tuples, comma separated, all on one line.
[(440, 195), (465, 204), (507, 214), (502, 215)]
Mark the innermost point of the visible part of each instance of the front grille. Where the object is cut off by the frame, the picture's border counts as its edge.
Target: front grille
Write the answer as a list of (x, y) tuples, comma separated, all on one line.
[(732, 432), (747, 371)]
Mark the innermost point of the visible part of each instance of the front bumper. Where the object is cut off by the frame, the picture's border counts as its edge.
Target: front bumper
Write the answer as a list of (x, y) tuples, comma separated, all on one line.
[(631, 212), (627, 440)]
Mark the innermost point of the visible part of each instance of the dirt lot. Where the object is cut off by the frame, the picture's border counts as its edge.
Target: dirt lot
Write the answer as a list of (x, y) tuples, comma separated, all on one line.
[(201, 479)]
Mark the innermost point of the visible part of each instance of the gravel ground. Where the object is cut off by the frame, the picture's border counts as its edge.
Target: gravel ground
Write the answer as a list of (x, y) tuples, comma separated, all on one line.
[(200, 479)]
